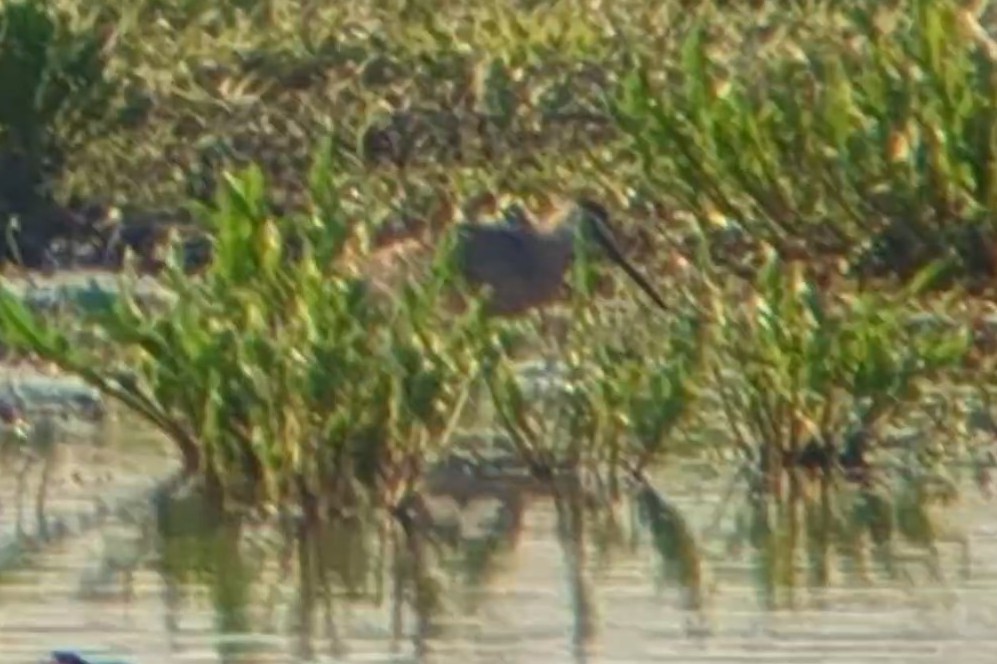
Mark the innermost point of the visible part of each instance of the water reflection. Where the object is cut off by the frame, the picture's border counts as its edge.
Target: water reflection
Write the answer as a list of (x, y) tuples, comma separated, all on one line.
[(570, 506), (865, 532), (517, 573), (437, 560), (200, 548)]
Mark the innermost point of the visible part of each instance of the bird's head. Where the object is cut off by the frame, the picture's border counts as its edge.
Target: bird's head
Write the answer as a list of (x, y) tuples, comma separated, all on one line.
[(590, 224), (516, 216), (589, 221)]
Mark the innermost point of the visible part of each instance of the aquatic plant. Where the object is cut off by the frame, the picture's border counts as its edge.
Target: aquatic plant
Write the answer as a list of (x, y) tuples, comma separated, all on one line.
[(844, 136), (811, 379), (866, 135), (279, 381)]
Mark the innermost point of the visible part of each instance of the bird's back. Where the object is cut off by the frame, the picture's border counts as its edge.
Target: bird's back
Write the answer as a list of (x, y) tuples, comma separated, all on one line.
[(520, 266)]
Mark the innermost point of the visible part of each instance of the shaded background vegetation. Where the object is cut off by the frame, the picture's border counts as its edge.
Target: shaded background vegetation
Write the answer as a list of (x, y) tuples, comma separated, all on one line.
[(862, 133)]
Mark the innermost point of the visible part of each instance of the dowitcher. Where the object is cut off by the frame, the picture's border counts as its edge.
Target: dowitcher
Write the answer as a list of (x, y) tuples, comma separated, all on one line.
[(519, 264)]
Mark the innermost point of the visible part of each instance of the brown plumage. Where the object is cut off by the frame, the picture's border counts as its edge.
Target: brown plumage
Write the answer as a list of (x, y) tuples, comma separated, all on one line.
[(520, 266)]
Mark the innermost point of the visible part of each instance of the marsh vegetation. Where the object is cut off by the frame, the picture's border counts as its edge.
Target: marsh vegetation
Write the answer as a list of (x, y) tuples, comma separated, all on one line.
[(809, 184)]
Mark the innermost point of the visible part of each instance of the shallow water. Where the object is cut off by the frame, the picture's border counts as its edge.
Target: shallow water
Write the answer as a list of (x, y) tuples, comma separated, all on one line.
[(196, 597), (179, 586)]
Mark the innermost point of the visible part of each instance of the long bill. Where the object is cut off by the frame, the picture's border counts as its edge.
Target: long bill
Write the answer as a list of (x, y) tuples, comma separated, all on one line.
[(607, 242)]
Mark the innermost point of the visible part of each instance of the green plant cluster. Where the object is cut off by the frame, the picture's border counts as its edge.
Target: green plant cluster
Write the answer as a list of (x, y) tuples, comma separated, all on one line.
[(864, 131), (872, 139), (840, 127), (58, 96), (278, 377)]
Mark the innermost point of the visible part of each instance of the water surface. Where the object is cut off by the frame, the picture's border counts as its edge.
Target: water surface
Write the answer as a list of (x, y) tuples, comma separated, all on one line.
[(209, 592)]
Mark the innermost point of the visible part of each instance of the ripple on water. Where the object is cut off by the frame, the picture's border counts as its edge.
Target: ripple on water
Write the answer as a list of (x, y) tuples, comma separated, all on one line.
[(525, 612)]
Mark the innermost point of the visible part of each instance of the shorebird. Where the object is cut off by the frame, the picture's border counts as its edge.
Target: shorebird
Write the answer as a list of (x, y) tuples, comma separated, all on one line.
[(519, 265)]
